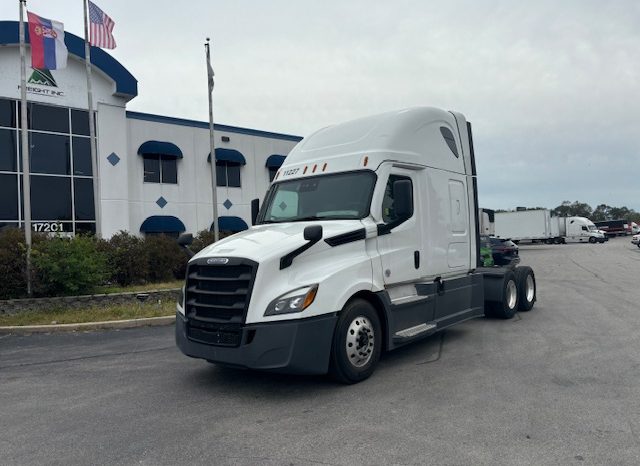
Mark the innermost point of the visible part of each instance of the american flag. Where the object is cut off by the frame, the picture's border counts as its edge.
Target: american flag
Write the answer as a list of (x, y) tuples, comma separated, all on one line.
[(100, 27)]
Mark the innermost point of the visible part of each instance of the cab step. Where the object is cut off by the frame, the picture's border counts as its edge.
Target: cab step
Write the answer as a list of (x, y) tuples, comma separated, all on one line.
[(413, 332)]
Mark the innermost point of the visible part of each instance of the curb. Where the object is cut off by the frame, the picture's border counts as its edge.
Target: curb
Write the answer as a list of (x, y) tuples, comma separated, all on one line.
[(109, 324)]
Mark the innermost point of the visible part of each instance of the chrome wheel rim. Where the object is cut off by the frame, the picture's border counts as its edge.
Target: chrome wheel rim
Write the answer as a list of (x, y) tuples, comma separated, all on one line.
[(360, 341), (512, 294), (531, 288)]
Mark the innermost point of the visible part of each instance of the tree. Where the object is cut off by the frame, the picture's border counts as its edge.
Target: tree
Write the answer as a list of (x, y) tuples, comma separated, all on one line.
[(601, 213), (575, 209)]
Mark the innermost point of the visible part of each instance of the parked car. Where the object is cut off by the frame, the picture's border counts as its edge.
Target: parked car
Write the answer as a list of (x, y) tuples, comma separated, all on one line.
[(503, 251)]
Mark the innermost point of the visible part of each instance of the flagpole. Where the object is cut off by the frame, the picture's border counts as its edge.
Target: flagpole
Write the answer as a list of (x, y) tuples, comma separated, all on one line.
[(92, 128), (26, 177), (214, 181)]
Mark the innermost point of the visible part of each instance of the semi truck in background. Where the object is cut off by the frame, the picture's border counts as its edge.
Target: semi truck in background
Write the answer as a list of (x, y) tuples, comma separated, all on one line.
[(617, 227), (579, 230), (368, 239), (540, 226)]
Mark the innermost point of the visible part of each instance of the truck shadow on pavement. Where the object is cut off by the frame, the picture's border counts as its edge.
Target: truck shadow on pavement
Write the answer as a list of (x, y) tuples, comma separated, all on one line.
[(274, 385)]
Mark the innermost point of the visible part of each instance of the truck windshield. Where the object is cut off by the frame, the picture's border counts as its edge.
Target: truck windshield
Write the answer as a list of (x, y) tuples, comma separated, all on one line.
[(326, 197), (592, 227)]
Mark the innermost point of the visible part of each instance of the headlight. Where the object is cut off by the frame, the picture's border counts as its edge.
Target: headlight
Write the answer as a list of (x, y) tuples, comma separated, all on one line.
[(180, 303), (294, 301)]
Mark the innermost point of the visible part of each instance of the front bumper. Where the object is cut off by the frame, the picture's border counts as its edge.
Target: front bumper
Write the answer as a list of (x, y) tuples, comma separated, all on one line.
[(293, 346)]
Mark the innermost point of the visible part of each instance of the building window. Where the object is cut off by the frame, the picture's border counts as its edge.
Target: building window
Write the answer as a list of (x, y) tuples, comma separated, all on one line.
[(60, 163), (8, 150), (227, 174), (8, 113), (160, 170), (8, 197), (50, 153), (51, 198), (48, 118)]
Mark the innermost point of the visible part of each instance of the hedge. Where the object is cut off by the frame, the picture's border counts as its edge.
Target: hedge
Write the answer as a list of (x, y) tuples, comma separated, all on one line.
[(63, 266)]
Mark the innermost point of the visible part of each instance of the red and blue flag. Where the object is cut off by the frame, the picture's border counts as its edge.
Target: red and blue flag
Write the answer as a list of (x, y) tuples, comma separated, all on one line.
[(47, 43)]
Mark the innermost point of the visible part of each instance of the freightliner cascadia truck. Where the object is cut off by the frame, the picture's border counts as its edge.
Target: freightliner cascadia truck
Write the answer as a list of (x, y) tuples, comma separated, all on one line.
[(367, 240)]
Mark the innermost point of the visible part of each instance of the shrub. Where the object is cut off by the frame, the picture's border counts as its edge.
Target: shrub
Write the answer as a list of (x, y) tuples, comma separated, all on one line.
[(166, 260), (63, 266), (126, 258), (203, 239), (13, 256)]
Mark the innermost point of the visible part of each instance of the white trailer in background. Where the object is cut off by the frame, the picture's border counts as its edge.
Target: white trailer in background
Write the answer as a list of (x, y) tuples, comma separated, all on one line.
[(524, 225), (486, 219), (540, 226)]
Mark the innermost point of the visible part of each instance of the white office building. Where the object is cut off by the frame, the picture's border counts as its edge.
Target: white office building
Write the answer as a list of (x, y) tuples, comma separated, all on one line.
[(154, 172)]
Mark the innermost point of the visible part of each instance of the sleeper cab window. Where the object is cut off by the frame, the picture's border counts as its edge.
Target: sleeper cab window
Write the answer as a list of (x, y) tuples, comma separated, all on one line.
[(450, 140)]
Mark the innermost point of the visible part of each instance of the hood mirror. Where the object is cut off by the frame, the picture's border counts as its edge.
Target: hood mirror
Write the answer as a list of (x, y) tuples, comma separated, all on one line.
[(313, 233)]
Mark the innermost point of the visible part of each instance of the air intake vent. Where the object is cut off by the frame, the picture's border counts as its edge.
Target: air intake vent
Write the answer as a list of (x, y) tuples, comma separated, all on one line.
[(217, 298)]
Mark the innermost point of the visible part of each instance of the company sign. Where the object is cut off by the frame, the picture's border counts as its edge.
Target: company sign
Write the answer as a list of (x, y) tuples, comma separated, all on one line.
[(42, 82)]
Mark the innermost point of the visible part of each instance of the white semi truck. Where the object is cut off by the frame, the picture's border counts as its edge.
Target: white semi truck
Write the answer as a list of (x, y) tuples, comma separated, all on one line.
[(540, 226), (367, 240), (579, 230)]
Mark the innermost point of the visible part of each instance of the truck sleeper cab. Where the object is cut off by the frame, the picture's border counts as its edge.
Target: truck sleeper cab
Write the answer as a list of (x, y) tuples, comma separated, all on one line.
[(368, 239)]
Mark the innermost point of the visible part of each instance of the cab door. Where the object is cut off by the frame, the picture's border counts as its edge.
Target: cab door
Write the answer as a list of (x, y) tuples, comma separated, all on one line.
[(400, 245)]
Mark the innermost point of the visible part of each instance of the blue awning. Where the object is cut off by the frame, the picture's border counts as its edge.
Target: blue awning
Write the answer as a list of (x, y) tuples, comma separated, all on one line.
[(228, 155), (162, 224), (234, 224), (275, 161), (163, 149)]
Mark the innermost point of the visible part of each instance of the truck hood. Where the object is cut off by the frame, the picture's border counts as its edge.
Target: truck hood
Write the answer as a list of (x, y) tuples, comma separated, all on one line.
[(265, 242)]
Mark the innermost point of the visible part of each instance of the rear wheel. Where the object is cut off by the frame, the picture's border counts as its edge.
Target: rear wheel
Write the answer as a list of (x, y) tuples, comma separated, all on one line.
[(508, 307), (357, 343), (526, 281)]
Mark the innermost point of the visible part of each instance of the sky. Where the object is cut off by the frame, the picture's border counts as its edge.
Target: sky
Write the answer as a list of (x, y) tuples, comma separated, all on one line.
[(552, 88)]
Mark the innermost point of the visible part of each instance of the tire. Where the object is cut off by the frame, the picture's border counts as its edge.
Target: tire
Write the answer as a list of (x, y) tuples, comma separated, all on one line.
[(508, 306), (357, 343), (592, 239), (527, 290)]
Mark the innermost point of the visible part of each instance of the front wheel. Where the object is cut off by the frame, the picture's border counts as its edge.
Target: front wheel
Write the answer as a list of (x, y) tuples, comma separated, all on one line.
[(592, 239), (357, 343)]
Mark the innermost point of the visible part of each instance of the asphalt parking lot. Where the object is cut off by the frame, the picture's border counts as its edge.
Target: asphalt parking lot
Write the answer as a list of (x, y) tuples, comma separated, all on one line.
[(557, 385)]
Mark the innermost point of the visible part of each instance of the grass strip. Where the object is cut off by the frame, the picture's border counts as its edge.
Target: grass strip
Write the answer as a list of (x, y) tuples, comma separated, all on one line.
[(134, 288), (93, 314)]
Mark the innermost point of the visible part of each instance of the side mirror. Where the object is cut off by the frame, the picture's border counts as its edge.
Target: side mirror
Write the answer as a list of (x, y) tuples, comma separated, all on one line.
[(403, 198), (184, 241), (255, 209), (313, 233)]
